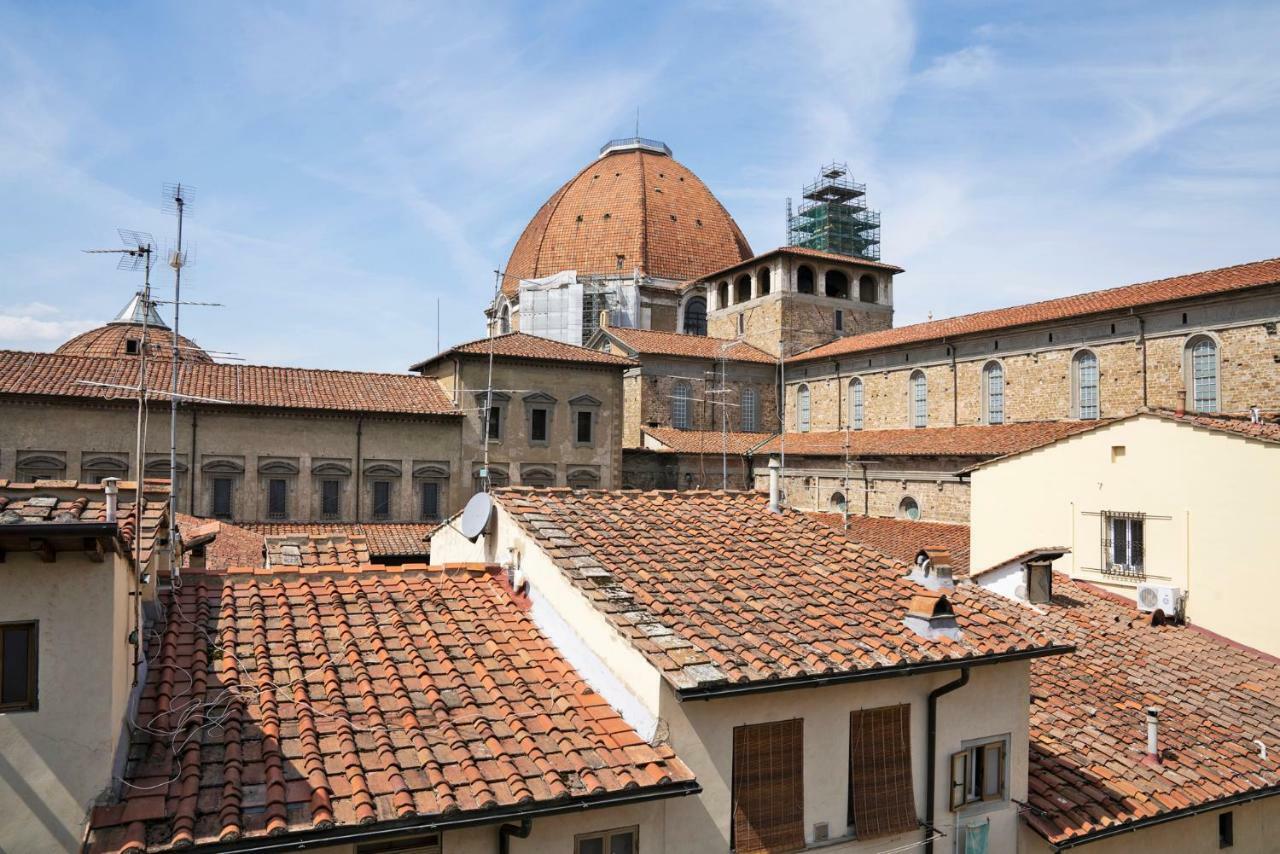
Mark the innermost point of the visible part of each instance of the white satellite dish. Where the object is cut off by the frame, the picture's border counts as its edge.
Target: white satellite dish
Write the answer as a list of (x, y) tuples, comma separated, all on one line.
[(476, 516)]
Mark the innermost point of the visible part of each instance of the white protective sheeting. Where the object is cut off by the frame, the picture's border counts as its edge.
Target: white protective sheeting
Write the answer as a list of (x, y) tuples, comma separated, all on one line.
[(552, 307)]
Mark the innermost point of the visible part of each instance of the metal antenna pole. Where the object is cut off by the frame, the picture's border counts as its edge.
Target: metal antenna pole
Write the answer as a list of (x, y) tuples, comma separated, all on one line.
[(138, 469), (177, 262), (488, 394)]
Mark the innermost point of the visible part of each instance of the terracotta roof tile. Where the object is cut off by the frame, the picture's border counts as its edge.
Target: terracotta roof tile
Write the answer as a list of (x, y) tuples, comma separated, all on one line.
[(1266, 428), (1207, 283), (279, 703), (54, 375), (112, 341), (385, 539), (968, 441), (713, 588), (706, 441), (224, 545), (647, 342), (519, 345), (903, 539), (333, 548), (644, 206), (58, 502), (1088, 735)]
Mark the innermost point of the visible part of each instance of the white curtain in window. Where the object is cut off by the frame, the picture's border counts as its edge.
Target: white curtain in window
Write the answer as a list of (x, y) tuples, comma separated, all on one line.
[(1204, 375), (919, 400), (994, 374), (855, 404), (802, 409), (1086, 385)]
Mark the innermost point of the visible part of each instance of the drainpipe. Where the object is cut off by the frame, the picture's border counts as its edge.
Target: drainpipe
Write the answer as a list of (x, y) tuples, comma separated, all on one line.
[(774, 468), (1142, 334), (519, 831), (955, 389), (359, 461), (866, 490), (932, 759), (111, 489), (191, 467)]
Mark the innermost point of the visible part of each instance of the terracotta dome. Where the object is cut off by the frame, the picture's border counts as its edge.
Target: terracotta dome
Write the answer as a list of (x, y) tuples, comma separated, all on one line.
[(123, 336), (633, 208)]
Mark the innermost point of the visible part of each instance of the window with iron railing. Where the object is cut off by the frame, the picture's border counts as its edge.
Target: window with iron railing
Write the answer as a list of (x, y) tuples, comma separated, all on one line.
[(1123, 541)]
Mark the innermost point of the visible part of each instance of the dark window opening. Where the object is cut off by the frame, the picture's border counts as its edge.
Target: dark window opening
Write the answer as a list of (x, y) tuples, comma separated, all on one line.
[(763, 277), (621, 259), (330, 507), (18, 667), (804, 279), (1184, 318), (222, 498), (836, 284), (585, 427), (131, 346), (695, 316), (742, 289), (428, 844), (722, 291), (867, 288), (538, 425), (495, 423), (742, 324), (277, 494), (839, 320), (1226, 830), (430, 502), (381, 499)]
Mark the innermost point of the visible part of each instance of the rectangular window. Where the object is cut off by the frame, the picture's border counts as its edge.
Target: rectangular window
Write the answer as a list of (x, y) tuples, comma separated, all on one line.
[(17, 667), (1087, 386), (768, 787), (584, 427), (430, 501), (330, 501), (1122, 543), (624, 840), (495, 423), (428, 844), (855, 405), (277, 503), (222, 498), (919, 401), (538, 425), (1039, 583), (381, 499), (839, 320), (1226, 830), (750, 411), (881, 797), (977, 774)]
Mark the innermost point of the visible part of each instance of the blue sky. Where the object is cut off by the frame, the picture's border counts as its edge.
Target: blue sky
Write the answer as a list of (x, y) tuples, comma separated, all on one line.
[(356, 163)]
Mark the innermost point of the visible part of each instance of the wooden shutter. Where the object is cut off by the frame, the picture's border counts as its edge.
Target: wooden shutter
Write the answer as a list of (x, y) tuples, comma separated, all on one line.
[(768, 787), (881, 797)]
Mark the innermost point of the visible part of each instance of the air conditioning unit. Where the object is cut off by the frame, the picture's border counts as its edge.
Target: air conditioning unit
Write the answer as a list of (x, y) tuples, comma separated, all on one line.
[(1159, 597)]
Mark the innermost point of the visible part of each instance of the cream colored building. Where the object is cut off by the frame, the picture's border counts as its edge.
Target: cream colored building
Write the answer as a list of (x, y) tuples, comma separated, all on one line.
[(1188, 503)]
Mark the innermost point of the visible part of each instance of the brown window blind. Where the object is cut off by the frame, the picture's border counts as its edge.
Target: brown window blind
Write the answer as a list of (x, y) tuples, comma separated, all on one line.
[(881, 797), (768, 787)]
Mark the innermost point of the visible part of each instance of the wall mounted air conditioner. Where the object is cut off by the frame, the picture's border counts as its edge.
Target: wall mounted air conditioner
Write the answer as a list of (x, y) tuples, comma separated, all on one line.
[(1159, 597)]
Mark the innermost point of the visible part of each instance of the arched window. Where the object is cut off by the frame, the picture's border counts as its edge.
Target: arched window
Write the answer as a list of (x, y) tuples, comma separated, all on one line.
[(680, 405), (504, 319), (722, 291), (742, 289), (802, 409), (838, 502), (836, 284), (1084, 384), (750, 411), (919, 400), (855, 404), (583, 479), (867, 288), (538, 477), (1202, 374), (762, 278), (804, 279), (993, 392), (908, 509), (695, 316)]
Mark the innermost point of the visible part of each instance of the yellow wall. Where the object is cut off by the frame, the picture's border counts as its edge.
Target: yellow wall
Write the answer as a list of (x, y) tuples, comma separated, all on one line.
[(54, 761), (1211, 502), (1256, 825)]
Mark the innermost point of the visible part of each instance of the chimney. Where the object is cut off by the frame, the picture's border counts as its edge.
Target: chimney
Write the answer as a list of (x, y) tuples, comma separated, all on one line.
[(775, 468), (111, 486), (933, 569), (1153, 736), (1255, 414), (1182, 404)]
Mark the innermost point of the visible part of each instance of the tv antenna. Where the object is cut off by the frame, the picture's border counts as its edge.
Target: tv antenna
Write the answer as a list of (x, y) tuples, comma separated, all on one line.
[(176, 199)]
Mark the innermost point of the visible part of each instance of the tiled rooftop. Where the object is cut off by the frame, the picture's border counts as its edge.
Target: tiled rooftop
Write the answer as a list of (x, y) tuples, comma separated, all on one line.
[(58, 502), (903, 539), (706, 441), (54, 375), (645, 207), (278, 704), (519, 345), (1266, 429), (713, 588), (969, 441), (1207, 283), (649, 342), (308, 551), (224, 544), (112, 341), (385, 539), (1088, 735)]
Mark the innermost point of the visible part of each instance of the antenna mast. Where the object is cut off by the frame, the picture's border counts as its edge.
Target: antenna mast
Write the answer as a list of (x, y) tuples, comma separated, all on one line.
[(175, 200)]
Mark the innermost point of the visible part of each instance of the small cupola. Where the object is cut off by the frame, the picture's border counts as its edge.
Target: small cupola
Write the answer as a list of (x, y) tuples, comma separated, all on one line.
[(930, 615), (933, 569)]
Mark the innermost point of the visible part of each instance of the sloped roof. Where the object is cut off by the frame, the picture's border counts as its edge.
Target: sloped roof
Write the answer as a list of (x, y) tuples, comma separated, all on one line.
[(1088, 735), (706, 441), (1207, 283), (385, 539), (112, 341), (307, 551), (65, 502), (903, 539), (717, 592), (965, 441), (388, 694), (225, 544), (646, 342), (639, 204), (520, 345), (56, 375)]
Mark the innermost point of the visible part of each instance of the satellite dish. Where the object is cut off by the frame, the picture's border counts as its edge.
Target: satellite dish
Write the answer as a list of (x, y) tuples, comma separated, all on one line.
[(476, 516)]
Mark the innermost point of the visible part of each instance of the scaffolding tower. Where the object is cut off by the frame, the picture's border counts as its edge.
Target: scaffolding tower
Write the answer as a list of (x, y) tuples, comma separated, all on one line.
[(834, 217)]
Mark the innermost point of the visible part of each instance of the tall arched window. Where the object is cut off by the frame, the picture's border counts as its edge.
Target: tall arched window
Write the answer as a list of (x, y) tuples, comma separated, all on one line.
[(867, 288), (804, 279), (855, 404), (722, 291), (1202, 374), (802, 409), (695, 316), (836, 284), (680, 405), (993, 392), (919, 400), (504, 319), (742, 289), (762, 279), (750, 411), (1084, 384)]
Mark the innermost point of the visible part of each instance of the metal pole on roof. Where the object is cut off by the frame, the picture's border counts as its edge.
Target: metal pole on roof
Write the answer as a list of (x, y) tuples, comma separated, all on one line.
[(176, 195)]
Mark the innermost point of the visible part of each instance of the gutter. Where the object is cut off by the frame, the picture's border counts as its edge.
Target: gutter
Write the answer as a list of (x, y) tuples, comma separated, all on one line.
[(931, 749), (396, 830), (714, 692), (61, 529), (1130, 827)]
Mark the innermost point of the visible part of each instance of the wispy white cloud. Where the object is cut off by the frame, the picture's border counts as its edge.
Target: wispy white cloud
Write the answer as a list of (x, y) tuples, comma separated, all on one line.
[(962, 68)]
